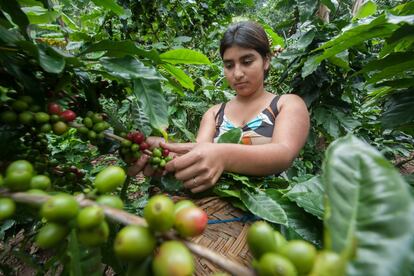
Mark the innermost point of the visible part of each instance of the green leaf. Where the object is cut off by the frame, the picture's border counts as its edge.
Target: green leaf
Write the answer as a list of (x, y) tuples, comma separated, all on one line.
[(129, 68), (276, 39), (394, 69), (328, 121), (390, 60), (152, 101), (263, 206), (367, 9), (232, 136), (170, 184), (305, 225), (399, 110), (306, 9), (401, 40), (369, 209), (17, 15), (121, 49), (331, 4), (354, 34), (184, 56), (179, 75), (9, 37), (40, 15), (309, 196), (50, 60), (341, 60), (181, 126), (110, 5)]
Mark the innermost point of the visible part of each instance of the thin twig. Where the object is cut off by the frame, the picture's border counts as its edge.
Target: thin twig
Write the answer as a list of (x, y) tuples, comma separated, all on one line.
[(126, 218)]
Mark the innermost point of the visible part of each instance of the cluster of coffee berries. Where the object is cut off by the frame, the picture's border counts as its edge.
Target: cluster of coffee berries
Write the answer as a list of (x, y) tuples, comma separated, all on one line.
[(133, 146), (20, 176), (274, 255), (135, 243), (58, 118), (93, 127), (159, 158), (62, 211)]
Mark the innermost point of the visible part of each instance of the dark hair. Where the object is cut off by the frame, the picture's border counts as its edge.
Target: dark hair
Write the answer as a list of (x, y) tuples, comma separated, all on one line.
[(246, 34)]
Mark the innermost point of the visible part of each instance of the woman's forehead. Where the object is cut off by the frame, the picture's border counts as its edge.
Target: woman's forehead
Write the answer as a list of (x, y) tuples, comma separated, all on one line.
[(235, 52)]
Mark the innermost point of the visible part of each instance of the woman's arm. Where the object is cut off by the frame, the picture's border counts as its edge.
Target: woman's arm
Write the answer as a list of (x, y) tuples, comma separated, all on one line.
[(207, 127), (201, 167)]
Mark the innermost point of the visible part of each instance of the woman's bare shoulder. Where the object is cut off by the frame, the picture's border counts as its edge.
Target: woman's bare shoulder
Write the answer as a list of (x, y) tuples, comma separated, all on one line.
[(290, 100), (212, 111)]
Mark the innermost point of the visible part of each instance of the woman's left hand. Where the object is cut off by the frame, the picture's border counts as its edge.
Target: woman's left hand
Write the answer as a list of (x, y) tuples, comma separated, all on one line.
[(199, 167)]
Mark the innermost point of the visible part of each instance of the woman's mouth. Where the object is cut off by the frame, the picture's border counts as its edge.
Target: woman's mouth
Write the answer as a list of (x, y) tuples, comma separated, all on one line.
[(240, 84)]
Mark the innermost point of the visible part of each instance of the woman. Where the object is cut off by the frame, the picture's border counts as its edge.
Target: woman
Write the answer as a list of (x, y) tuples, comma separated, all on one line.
[(275, 128)]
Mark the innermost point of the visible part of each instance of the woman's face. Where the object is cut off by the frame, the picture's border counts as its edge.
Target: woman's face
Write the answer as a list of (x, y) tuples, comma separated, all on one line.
[(244, 69)]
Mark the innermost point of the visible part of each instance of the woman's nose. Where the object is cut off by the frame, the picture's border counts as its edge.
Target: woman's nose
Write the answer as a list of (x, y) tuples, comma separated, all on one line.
[(238, 72)]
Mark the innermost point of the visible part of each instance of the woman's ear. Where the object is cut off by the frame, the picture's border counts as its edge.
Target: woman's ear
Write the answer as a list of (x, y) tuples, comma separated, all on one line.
[(266, 64)]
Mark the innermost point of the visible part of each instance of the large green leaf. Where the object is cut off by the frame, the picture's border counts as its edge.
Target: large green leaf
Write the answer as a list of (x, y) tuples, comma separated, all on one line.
[(397, 70), (367, 9), (309, 196), (40, 15), (50, 60), (399, 110), (276, 39), (121, 49), (9, 37), (184, 56), (129, 68), (302, 223), (148, 92), (306, 9), (179, 75), (401, 40), (17, 15), (110, 5), (369, 209), (264, 206)]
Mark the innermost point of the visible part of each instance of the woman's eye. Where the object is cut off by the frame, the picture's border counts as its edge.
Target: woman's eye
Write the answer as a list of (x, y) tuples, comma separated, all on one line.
[(228, 65), (247, 61)]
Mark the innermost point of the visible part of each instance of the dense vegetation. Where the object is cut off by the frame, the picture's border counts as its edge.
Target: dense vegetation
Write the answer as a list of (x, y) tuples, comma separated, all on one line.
[(154, 67)]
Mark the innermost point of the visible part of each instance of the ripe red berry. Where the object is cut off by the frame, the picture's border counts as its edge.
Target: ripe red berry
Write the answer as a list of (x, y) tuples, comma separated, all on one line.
[(54, 108), (138, 137), (68, 115), (144, 146), (165, 152), (130, 136), (191, 221)]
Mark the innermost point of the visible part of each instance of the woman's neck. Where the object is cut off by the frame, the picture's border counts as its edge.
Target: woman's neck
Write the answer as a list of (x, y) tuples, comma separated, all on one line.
[(260, 93)]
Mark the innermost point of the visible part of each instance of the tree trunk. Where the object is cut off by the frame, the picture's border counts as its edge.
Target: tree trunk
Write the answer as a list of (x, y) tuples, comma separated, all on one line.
[(357, 6), (323, 13)]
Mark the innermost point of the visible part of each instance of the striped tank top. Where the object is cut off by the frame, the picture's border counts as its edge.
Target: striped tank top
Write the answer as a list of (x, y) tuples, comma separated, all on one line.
[(257, 131)]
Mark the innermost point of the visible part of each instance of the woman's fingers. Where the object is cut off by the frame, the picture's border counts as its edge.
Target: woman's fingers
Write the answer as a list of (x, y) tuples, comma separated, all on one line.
[(180, 148), (148, 170), (182, 162), (138, 165)]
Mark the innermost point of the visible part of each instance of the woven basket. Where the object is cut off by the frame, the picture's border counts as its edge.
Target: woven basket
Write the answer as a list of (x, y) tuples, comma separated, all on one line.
[(226, 236)]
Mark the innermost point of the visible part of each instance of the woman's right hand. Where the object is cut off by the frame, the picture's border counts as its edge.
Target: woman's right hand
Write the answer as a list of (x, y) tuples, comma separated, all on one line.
[(142, 163), (199, 165)]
